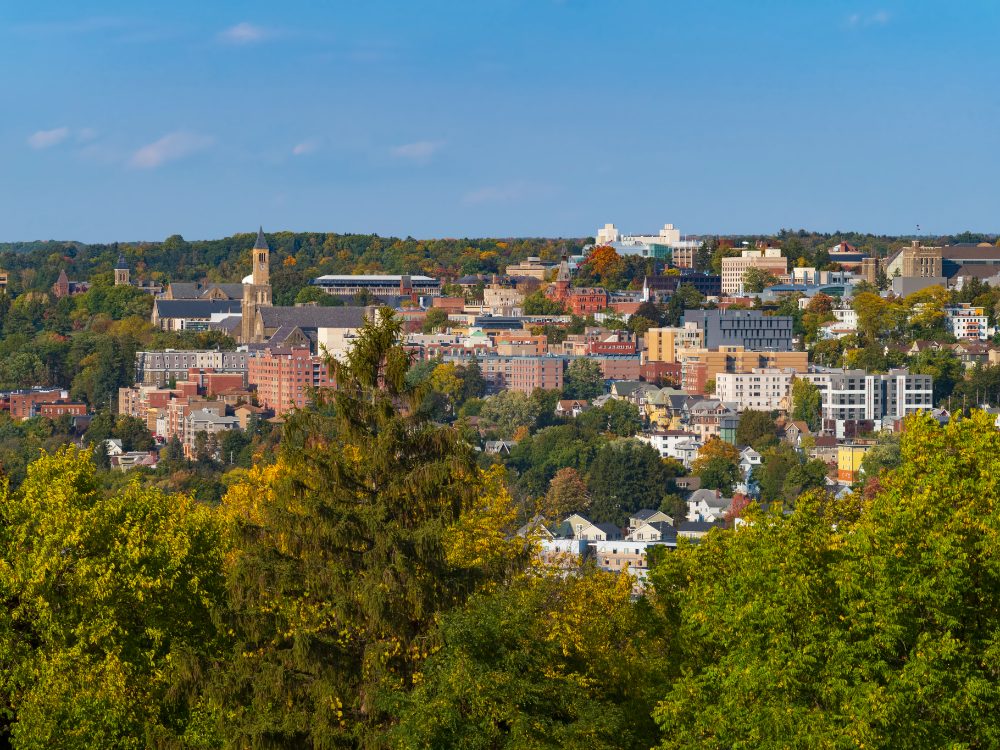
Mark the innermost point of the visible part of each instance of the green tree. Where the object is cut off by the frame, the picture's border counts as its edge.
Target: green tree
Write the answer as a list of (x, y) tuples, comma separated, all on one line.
[(847, 623), (310, 294), (717, 465), (538, 304), (757, 279), (509, 410), (107, 600), (756, 428), (583, 379), (435, 320), (348, 551), (807, 403), (626, 475), (943, 365), (884, 456), (550, 662)]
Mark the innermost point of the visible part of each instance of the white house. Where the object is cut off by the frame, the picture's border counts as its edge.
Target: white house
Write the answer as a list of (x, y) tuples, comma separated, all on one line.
[(666, 442), (707, 505)]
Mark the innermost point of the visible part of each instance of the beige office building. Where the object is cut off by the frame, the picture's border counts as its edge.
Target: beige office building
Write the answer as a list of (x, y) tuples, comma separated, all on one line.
[(733, 269)]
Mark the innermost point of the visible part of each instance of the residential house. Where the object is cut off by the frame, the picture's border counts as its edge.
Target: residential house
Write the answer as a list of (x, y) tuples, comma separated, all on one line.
[(709, 418), (795, 430), (600, 532), (576, 524), (653, 531), (499, 447), (669, 443), (572, 407), (648, 515), (695, 530), (618, 556), (707, 505)]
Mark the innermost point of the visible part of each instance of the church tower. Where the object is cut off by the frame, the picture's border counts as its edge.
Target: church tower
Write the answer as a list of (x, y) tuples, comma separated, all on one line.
[(256, 293), (121, 271)]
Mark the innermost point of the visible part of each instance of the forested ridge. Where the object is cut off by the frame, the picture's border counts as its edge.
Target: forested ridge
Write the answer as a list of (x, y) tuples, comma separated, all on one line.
[(361, 587), (297, 257)]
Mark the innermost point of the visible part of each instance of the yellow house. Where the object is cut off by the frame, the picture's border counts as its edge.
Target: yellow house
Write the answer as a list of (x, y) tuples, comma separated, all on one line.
[(849, 458)]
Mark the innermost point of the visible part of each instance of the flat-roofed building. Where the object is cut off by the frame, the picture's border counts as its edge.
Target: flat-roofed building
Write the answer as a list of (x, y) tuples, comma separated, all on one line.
[(378, 285), (764, 389), (285, 378), (733, 269)]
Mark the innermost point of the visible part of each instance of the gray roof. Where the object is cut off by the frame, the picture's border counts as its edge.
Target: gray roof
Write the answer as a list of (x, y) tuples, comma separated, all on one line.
[(261, 243), (667, 532), (313, 316), (608, 528), (699, 526), (230, 325), (192, 290), (643, 513), (195, 308), (121, 265)]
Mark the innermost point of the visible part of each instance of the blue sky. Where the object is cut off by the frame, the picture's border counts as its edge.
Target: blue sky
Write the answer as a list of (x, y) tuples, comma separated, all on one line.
[(125, 120)]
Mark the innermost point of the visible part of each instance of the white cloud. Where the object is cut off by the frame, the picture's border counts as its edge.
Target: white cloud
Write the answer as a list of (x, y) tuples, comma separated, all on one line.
[(47, 138), (85, 135), (878, 18), (172, 146), (243, 33), (305, 147), (419, 151)]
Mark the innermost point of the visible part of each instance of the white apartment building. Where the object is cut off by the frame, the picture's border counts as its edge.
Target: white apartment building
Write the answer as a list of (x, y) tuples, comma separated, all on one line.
[(856, 396), (733, 269), (643, 244), (967, 322), (764, 389)]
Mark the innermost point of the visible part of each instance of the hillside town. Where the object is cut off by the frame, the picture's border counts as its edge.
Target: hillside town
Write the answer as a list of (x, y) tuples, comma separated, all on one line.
[(735, 364)]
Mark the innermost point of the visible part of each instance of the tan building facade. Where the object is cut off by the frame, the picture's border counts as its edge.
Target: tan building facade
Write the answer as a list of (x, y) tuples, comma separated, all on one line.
[(733, 269)]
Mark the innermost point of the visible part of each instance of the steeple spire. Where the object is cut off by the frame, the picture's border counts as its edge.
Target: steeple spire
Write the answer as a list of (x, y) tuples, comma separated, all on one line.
[(261, 243)]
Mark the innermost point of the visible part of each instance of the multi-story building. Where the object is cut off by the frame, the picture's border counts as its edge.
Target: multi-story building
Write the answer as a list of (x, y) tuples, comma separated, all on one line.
[(669, 443), (60, 407), (532, 268), (160, 367), (618, 366), (523, 373), (733, 269), (761, 389), (855, 397), (285, 378), (915, 261), (698, 366), (502, 300), (663, 344), (666, 242), (580, 301), (379, 285), (751, 329), (658, 288), (26, 404), (713, 419), (967, 322), (210, 421)]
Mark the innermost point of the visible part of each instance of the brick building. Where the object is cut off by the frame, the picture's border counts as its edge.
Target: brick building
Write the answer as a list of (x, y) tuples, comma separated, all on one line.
[(285, 377)]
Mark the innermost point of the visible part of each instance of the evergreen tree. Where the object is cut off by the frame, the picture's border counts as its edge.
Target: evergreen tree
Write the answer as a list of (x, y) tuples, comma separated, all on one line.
[(342, 565)]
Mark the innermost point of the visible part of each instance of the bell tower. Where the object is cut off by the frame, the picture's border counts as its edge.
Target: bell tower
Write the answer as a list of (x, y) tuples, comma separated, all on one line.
[(122, 272), (256, 293)]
